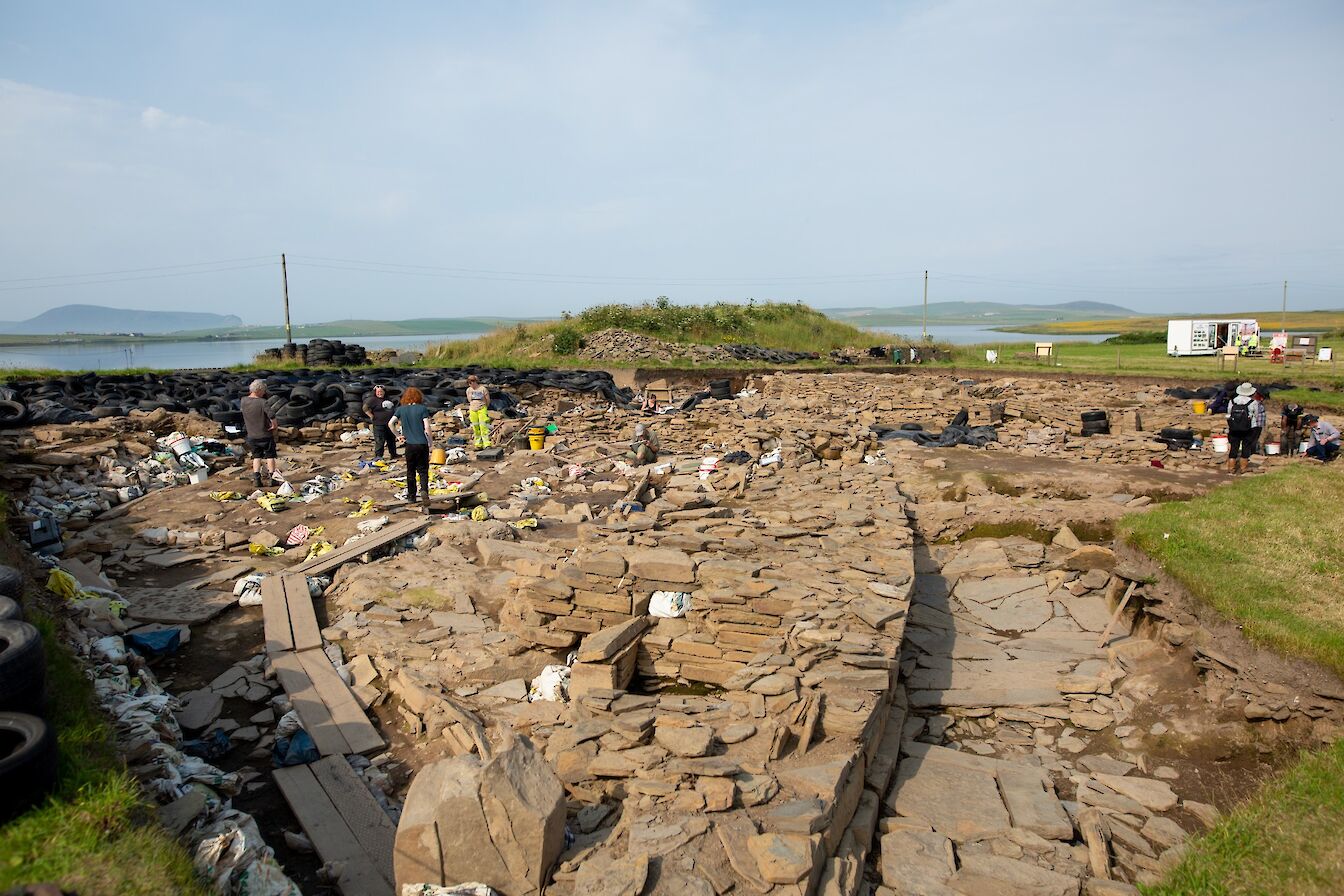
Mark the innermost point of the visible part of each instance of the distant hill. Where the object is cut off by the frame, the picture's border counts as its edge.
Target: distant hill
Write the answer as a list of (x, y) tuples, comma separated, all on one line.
[(989, 314), (341, 329), (99, 319)]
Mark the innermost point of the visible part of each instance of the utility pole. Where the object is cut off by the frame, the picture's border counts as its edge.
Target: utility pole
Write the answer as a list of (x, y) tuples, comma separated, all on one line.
[(925, 326), (284, 276), (1283, 320)]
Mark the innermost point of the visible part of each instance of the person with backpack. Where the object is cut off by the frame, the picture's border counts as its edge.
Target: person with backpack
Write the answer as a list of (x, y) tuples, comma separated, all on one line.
[(1245, 421)]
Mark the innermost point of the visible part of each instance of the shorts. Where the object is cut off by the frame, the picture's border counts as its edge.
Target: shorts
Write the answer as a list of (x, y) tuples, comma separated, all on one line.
[(262, 449)]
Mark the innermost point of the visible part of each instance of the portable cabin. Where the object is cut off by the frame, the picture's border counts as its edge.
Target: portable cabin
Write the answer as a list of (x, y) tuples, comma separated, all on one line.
[(1206, 336)]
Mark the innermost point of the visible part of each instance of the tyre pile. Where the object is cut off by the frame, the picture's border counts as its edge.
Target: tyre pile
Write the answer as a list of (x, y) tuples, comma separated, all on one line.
[(324, 353), (296, 397)]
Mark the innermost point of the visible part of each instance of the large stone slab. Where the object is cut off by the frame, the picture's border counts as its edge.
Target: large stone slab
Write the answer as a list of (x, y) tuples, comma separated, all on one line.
[(1031, 804), (995, 587), (978, 557), (662, 565), (960, 803), (917, 863), (989, 875), (1154, 795), (1022, 612), (987, 696)]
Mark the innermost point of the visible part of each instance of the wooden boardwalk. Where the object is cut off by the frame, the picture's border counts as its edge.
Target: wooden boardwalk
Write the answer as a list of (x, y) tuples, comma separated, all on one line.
[(344, 822), (334, 558)]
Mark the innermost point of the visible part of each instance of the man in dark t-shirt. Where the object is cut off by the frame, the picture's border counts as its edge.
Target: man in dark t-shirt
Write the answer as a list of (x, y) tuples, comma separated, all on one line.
[(379, 409), (1290, 423), (260, 431)]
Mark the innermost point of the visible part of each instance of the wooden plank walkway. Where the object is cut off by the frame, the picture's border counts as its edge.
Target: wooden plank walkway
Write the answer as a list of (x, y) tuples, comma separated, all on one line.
[(332, 559), (288, 617), (344, 822), (329, 712)]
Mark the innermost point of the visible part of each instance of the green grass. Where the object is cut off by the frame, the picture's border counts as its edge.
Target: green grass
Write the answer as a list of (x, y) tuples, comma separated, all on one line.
[(97, 834), (1286, 840), (1266, 553), (792, 327)]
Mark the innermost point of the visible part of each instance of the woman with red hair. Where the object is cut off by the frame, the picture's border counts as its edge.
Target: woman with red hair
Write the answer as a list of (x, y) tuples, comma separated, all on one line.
[(412, 421)]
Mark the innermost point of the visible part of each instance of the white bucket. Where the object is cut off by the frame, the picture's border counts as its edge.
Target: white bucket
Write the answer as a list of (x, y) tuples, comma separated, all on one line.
[(1302, 449), (1271, 447), (1219, 444), (198, 476), (180, 445)]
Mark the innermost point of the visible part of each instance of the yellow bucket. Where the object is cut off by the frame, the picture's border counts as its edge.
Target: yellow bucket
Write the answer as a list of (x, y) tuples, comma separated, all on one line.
[(438, 457), (536, 437), (1199, 407)]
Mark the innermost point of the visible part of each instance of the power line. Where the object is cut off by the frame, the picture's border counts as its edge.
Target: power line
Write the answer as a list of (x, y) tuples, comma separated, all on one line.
[(166, 267), (246, 267)]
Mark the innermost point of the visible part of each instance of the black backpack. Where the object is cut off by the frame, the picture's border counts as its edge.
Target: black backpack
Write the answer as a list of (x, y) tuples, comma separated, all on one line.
[(1239, 417)]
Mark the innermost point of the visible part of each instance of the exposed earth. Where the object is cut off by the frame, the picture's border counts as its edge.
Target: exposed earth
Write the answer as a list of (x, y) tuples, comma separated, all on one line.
[(900, 668)]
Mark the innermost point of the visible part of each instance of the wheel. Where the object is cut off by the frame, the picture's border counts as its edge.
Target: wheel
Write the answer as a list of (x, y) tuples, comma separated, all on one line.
[(9, 610), (27, 762), (1177, 433), (23, 669), (1093, 416), (11, 581)]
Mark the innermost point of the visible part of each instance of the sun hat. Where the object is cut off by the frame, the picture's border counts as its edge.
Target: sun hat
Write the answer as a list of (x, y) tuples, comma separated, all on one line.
[(1246, 389)]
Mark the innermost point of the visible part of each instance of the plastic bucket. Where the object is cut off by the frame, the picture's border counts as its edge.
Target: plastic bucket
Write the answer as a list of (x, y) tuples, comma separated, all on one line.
[(180, 446), (1302, 449), (438, 457), (536, 438), (198, 476), (1219, 444), (1271, 447), (1199, 407)]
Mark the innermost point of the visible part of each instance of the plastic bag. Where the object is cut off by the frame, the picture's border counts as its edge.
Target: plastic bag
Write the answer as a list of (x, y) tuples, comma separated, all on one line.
[(669, 604), (469, 889), (296, 750), (552, 684), (163, 642), (62, 584), (770, 457)]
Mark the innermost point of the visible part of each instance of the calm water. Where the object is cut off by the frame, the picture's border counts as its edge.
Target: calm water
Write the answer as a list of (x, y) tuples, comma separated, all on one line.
[(180, 355), (970, 334)]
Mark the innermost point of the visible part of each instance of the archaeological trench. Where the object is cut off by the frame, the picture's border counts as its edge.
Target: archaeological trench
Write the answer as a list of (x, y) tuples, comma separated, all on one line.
[(830, 662)]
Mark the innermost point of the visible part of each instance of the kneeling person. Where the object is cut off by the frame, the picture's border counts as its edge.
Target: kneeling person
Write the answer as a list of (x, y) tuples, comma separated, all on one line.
[(644, 446)]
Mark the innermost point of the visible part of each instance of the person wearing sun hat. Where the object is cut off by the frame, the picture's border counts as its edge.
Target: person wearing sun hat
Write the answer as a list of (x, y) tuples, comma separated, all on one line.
[(1245, 422)]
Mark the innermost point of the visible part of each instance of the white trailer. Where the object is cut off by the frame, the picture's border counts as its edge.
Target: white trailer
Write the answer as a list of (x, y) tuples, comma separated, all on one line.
[(1207, 336)]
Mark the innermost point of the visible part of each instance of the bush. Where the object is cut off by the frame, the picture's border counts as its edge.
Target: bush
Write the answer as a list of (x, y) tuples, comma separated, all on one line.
[(567, 341), (1138, 337)]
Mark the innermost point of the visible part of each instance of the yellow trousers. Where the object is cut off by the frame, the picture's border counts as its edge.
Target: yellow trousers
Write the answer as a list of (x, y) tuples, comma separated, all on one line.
[(480, 427)]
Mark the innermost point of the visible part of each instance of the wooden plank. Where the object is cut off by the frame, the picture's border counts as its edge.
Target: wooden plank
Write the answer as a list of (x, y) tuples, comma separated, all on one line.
[(342, 707), (325, 825), (302, 617), (275, 615), (365, 818), (308, 703), (332, 559)]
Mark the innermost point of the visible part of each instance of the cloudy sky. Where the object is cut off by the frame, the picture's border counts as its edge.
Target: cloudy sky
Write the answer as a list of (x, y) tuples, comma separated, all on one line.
[(453, 159)]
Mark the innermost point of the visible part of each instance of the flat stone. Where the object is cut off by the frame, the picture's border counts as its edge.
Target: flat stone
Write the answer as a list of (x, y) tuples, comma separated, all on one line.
[(783, 858), (958, 802), (989, 875), (604, 875), (1163, 832), (685, 742), (773, 685), (995, 587), (180, 813), (1156, 796), (1031, 805), (916, 862), (662, 565), (199, 709), (1022, 612), (736, 732), (719, 793), (513, 689), (977, 557), (1090, 557), (1104, 764)]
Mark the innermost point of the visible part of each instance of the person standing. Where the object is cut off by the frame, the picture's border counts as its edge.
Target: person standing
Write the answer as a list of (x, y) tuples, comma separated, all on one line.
[(478, 411), (1324, 442), (260, 429), (412, 419), (1245, 421), (379, 410), (1290, 420)]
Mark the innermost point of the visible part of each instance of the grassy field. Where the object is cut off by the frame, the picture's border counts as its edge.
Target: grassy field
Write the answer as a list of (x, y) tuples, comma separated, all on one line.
[(96, 835), (1152, 360), (556, 343), (1309, 321), (1265, 552)]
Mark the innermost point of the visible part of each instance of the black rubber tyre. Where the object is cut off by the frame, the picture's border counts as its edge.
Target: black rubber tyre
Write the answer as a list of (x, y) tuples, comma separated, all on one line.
[(11, 581), (10, 611), (23, 669), (912, 427), (27, 762), (1177, 433), (12, 413), (1093, 416)]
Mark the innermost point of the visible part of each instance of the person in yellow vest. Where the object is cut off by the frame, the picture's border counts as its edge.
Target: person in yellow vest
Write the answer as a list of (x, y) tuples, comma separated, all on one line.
[(478, 411)]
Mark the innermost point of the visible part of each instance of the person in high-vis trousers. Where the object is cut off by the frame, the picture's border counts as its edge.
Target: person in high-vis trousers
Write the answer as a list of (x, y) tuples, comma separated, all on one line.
[(479, 411)]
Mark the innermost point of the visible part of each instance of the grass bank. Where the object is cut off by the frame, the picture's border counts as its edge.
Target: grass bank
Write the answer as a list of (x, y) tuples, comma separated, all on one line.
[(96, 834), (1265, 552), (790, 327)]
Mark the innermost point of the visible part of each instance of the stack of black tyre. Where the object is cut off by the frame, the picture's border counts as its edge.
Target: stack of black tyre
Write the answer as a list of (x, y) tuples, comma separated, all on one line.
[(721, 389), (740, 352), (1096, 423), (1177, 438), (27, 742), (334, 353)]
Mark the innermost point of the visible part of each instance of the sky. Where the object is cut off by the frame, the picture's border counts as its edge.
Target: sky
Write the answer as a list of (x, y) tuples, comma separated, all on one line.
[(516, 160)]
